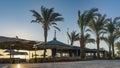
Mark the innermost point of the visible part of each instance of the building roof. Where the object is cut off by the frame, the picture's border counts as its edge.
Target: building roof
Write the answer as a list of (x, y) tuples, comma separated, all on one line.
[(54, 44), (86, 49), (20, 44)]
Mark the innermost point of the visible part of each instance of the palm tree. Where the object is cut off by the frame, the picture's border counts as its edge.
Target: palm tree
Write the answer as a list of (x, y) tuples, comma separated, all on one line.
[(115, 36), (83, 19), (112, 29), (46, 18), (97, 27), (108, 41), (88, 39), (73, 36)]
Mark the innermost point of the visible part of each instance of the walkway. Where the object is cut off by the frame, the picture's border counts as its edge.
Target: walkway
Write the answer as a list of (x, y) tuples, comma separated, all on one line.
[(81, 64)]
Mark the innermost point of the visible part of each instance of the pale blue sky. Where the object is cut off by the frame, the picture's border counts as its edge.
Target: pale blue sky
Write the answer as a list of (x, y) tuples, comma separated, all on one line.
[(15, 16)]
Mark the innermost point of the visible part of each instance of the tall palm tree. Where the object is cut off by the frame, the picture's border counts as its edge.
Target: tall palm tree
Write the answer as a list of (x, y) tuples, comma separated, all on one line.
[(112, 29), (97, 27), (108, 41), (83, 19), (73, 36), (46, 18), (115, 36)]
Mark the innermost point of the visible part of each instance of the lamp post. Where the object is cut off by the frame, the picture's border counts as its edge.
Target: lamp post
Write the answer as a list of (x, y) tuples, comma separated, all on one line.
[(35, 47), (11, 52)]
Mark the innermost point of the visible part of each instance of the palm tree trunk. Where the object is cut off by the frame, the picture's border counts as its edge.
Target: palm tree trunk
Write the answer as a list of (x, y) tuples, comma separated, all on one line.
[(82, 53), (109, 51), (45, 33), (113, 51), (98, 54), (71, 43), (45, 36)]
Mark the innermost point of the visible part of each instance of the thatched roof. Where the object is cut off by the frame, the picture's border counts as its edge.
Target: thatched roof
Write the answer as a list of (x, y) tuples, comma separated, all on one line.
[(19, 44), (54, 44)]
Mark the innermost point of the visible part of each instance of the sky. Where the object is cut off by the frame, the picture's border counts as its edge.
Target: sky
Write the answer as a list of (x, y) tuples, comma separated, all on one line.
[(15, 17)]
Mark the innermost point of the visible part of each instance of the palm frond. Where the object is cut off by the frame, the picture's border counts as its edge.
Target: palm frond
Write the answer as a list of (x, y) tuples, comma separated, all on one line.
[(88, 30), (116, 19), (44, 12), (35, 13), (87, 36), (82, 20), (102, 33), (57, 28), (37, 16), (107, 40), (90, 41), (87, 39), (33, 21), (59, 19), (73, 36), (93, 26), (54, 23), (91, 13), (104, 38)]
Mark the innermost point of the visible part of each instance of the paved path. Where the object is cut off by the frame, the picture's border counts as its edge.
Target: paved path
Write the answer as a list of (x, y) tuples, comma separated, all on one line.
[(81, 64)]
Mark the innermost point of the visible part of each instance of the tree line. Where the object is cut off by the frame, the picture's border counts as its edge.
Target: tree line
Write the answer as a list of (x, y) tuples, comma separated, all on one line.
[(104, 28)]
